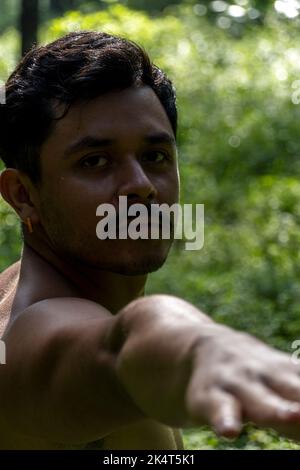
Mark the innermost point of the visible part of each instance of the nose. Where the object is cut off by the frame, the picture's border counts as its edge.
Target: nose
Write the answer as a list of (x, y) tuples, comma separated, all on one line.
[(136, 185)]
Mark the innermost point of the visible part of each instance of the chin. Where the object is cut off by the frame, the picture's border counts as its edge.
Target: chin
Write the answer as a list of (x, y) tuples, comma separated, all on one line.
[(137, 267), (129, 260), (136, 270)]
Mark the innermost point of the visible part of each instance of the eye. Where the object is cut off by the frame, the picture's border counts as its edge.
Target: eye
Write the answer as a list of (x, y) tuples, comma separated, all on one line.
[(94, 161), (155, 157)]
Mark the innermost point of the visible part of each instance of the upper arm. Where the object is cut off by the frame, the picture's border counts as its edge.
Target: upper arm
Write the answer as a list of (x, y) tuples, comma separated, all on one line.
[(59, 381)]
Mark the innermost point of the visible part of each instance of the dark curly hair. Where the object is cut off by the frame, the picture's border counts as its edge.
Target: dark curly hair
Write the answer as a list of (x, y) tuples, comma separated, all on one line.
[(78, 66)]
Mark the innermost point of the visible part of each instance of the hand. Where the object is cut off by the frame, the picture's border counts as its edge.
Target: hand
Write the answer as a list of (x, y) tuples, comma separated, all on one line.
[(236, 379), (182, 369)]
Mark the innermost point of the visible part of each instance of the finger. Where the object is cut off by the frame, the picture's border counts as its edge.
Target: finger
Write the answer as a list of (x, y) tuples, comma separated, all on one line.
[(261, 405), (287, 385), (226, 415), (219, 409)]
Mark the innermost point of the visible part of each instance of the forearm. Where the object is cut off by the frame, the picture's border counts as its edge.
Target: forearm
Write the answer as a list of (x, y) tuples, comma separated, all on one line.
[(182, 369), (155, 336)]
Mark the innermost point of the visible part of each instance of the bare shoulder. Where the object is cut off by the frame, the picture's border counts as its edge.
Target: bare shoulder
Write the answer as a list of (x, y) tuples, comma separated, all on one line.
[(64, 307), (8, 283), (8, 278), (58, 316), (50, 338)]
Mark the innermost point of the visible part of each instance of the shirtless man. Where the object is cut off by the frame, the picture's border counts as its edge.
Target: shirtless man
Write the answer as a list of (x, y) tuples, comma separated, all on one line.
[(91, 361)]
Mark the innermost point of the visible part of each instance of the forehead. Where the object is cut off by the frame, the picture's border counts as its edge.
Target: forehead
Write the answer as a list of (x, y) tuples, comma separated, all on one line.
[(116, 114)]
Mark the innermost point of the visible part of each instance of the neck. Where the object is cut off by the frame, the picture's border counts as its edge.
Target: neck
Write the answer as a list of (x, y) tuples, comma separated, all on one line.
[(113, 291)]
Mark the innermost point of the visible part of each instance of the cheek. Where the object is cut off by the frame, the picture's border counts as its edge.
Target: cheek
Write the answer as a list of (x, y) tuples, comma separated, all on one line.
[(63, 205), (89, 190), (177, 185), (170, 189), (72, 197)]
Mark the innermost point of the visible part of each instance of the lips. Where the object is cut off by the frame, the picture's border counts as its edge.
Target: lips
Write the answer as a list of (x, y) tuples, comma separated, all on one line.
[(145, 223), (140, 224)]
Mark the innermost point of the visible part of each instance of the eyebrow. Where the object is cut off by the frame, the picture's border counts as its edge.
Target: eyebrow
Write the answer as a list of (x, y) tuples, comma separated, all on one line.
[(90, 141)]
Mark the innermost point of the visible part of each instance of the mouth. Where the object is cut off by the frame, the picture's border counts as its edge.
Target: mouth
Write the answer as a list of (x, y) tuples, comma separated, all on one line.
[(146, 224), (139, 224)]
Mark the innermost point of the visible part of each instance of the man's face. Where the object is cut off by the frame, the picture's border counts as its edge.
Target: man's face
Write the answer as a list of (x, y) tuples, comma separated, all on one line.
[(114, 145)]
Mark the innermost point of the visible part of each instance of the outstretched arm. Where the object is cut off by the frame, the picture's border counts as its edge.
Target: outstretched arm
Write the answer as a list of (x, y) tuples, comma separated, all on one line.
[(203, 372), (76, 373)]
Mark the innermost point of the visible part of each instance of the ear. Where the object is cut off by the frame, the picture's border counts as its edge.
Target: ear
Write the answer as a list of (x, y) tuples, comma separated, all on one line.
[(17, 189)]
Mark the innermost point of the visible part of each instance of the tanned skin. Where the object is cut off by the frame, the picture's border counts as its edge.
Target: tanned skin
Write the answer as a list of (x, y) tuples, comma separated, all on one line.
[(91, 361)]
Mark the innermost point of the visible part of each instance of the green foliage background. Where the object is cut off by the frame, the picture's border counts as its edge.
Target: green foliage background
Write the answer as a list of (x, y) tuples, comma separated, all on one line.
[(239, 155)]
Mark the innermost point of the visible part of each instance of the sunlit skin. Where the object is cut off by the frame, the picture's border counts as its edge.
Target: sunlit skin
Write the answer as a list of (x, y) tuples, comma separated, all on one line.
[(91, 361)]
